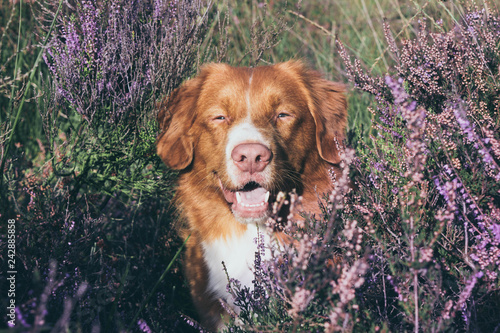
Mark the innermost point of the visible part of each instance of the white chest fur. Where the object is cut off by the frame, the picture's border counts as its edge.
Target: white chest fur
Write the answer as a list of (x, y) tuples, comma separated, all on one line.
[(238, 255)]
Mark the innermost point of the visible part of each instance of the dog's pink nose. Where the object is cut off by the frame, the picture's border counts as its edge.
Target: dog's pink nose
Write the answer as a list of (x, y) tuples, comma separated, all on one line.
[(251, 157)]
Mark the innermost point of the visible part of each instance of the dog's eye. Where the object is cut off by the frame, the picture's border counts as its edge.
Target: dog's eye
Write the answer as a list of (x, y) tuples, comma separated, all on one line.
[(283, 115), (220, 118)]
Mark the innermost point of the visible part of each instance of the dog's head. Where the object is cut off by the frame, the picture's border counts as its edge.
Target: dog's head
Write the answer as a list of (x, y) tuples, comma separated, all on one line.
[(251, 132)]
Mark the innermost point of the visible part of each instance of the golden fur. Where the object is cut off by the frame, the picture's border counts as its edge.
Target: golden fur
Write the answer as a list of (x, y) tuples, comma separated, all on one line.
[(300, 115)]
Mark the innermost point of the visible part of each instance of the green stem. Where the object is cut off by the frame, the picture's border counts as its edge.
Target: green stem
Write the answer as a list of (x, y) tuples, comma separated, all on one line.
[(16, 63), (32, 75)]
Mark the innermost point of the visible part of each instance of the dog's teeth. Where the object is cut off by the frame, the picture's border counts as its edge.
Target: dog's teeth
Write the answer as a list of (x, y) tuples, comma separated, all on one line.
[(267, 196), (238, 197)]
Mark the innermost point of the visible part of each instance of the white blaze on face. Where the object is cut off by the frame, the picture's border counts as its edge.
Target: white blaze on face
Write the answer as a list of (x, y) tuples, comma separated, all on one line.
[(248, 204), (244, 132)]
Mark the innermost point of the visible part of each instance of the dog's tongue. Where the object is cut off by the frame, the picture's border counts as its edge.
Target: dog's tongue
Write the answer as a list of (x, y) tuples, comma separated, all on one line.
[(253, 197), (250, 203)]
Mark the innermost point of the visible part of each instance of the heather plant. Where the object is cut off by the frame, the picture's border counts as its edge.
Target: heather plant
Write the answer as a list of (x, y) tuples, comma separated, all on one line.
[(414, 245), (91, 203), (430, 175), (111, 63), (96, 239), (411, 244)]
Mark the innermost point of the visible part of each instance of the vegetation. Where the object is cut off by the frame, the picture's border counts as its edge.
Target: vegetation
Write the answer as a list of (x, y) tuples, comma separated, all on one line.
[(414, 245)]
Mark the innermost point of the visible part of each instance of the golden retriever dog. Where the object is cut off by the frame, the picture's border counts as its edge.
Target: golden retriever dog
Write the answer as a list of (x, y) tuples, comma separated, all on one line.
[(239, 136)]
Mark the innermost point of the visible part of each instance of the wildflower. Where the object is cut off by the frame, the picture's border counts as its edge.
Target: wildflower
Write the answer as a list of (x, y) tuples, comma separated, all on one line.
[(300, 301), (425, 255), (101, 65), (143, 326)]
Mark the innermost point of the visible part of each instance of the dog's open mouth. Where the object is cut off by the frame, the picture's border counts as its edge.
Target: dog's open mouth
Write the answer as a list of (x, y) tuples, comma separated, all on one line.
[(252, 201)]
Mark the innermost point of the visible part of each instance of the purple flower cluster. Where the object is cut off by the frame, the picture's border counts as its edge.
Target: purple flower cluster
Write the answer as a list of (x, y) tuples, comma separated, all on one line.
[(96, 197), (434, 203), (115, 59), (409, 238)]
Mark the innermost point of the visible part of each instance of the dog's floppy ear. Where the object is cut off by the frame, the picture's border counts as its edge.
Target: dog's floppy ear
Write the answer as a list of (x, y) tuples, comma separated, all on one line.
[(176, 116), (328, 106), (330, 116)]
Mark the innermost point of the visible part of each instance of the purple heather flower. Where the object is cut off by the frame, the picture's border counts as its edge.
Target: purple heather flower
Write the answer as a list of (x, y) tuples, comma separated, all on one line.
[(90, 15), (109, 62), (72, 40), (379, 166), (398, 92), (143, 326), (464, 123), (495, 230), (20, 318)]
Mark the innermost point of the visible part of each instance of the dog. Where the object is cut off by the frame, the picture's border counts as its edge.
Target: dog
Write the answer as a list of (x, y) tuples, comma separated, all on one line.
[(238, 137)]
